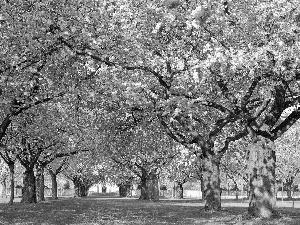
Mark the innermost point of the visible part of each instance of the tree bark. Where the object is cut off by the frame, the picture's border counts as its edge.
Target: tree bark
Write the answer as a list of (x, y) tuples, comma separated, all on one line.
[(84, 190), (76, 188), (125, 189), (211, 182), (81, 189), (202, 185), (3, 184), (12, 182), (149, 186), (153, 186), (262, 178), (40, 180), (144, 188), (236, 190), (54, 185), (179, 190), (29, 187)]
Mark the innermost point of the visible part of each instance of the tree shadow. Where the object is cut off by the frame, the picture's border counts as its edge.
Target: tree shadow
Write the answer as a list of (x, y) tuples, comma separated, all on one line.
[(129, 211)]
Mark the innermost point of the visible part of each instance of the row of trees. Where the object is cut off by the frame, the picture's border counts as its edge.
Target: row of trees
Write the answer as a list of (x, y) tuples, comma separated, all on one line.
[(178, 66)]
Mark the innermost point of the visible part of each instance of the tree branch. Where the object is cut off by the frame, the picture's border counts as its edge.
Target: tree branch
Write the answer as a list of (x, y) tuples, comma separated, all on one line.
[(231, 139), (286, 124)]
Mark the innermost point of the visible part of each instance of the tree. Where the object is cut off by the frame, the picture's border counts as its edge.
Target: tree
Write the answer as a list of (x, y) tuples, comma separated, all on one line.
[(38, 136), (181, 170), (143, 150), (4, 174), (8, 153), (177, 96), (193, 67), (54, 168), (185, 62), (84, 173)]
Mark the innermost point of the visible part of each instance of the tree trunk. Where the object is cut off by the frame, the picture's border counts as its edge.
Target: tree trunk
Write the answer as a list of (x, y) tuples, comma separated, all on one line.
[(76, 188), (153, 186), (236, 190), (125, 189), (144, 189), (84, 190), (3, 184), (40, 180), (54, 185), (289, 194), (179, 190), (262, 178), (81, 190), (202, 185), (12, 182), (211, 182), (149, 186), (29, 188), (289, 186)]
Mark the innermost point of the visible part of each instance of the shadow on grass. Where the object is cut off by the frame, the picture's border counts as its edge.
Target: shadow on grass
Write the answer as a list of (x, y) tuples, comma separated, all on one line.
[(108, 210)]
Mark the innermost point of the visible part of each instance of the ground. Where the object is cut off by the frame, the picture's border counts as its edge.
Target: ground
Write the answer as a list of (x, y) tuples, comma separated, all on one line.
[(112, 210)]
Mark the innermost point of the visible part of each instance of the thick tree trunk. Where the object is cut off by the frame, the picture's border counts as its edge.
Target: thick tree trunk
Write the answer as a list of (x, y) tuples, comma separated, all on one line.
[(179, 190), (84, 190), (76, 188), (29, 188), (40, 181), (153, 186), (54, 185), (149, 187), (125, 189), (12, 182), (144, 189), (211, 182), (262, 178)]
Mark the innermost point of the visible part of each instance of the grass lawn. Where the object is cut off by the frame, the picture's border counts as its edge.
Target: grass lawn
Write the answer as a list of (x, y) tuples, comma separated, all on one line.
[(112, 210)]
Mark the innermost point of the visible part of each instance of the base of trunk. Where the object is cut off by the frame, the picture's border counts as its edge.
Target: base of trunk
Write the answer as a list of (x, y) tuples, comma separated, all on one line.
[(40, 188), (262, 179), (178, 190), (211, 183), (125, 190), (149, 188), (54, 185), (29, 188)]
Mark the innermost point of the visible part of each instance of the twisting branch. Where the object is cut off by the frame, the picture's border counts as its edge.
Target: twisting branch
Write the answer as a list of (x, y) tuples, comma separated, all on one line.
[(231, 139), (107, 62), (286, 124), (223, 87), (35, 59), (218, 126), (170, 132), (247, 96)]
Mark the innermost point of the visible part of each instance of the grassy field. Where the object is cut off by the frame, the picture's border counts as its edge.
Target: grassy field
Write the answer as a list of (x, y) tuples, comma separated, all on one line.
[(112, 210)]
